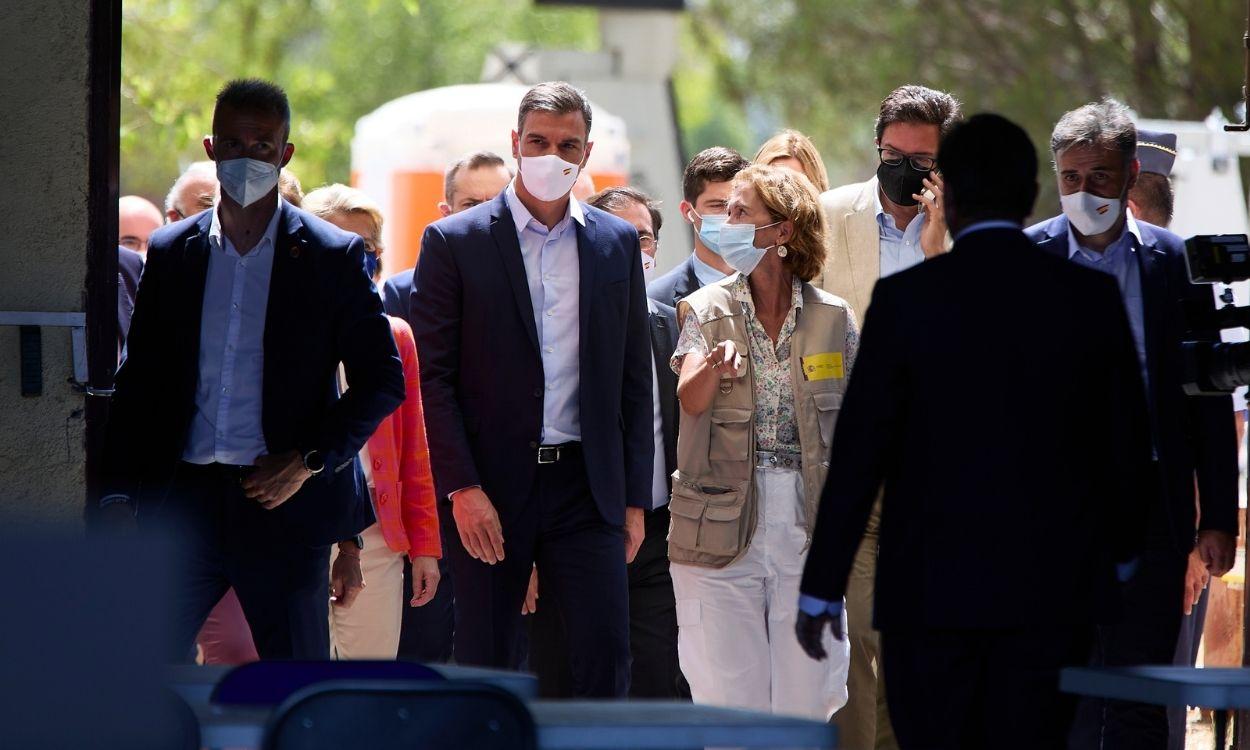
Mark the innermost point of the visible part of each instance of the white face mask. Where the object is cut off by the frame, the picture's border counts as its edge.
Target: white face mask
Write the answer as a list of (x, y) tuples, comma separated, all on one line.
[(247, 180), (1091, 214), (548, 177), (648, 268)]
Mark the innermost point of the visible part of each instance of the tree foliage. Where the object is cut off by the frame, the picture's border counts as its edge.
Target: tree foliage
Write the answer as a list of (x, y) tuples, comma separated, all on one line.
[(337, 60), (825, 66)]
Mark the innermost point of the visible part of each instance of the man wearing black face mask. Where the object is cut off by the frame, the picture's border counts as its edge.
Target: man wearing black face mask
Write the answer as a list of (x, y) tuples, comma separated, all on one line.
[(877, 228), (226, 426)]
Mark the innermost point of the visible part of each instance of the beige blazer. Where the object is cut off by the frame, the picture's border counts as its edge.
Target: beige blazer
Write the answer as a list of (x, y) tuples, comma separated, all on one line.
[(852, 245)]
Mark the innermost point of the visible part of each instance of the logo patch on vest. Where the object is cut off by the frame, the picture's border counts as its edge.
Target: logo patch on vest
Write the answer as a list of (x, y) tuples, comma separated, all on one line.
[(822, 366)]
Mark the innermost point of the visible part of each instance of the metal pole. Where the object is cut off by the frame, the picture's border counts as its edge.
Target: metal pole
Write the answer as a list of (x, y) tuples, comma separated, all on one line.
[(1244, 125)]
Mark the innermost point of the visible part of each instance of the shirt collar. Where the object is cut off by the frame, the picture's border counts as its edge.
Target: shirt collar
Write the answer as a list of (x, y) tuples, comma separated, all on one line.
[(883, 217), (703, 272), (521, 215), (268, 240), (979, 226), (740, 289), (1131, 230)]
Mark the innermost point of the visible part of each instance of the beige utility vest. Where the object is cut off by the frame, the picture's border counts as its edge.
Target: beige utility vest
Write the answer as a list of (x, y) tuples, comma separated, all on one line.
[(713, 506)]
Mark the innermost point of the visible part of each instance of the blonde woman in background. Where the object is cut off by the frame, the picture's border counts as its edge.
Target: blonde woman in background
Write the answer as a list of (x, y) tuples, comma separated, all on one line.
[(793, 150), (366, 621)]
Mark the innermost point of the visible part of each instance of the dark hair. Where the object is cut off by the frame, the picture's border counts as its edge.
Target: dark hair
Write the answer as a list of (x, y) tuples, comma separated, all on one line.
[(989, 167), (921, 105), (473, 161), (1153, 194), (619, 198), (715, 164), (1107, 124), (556, 97), (254, 95)]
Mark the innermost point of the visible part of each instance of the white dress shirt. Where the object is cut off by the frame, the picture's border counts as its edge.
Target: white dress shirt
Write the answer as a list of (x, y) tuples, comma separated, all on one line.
[(900, 250), (227, 424), (554, 275), (659, 471)]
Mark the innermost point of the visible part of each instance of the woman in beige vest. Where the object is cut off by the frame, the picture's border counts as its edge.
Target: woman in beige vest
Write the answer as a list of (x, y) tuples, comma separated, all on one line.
[(763, 360)]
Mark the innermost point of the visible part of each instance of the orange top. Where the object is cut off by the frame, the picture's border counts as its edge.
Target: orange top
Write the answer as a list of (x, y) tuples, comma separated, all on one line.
[(399, 454)]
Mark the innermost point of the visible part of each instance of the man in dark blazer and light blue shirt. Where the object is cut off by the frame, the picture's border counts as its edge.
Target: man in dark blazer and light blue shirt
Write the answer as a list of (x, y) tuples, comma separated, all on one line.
[(227, 427), (1001, 533), (1194, 442), (531, 323)]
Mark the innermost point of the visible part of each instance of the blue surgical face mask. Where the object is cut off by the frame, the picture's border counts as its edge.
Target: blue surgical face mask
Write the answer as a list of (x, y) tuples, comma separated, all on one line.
[(709, 229), (737, 246), (371, 264)]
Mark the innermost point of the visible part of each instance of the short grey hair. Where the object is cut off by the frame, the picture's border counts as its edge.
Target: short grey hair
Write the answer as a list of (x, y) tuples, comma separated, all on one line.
[(556, 97), (473, 161), (1107, 124), (204, 170), (619, 198)]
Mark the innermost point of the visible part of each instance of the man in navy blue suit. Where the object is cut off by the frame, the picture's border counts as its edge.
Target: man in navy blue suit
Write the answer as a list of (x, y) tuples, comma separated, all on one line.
[(227, 427), (1094, 148), (531, 323)]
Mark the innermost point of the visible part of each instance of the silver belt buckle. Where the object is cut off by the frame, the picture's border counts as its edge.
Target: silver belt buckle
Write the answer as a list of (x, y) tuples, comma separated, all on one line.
[(548, 454)]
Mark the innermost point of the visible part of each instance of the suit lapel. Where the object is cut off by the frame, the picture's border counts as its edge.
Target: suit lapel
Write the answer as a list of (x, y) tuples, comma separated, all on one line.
[(588, 261), (1154, 290), (863, 243), (193, 277), (289, 271), (503, 230)]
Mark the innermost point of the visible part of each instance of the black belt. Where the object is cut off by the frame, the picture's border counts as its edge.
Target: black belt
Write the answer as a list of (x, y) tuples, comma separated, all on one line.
[(550, 454)]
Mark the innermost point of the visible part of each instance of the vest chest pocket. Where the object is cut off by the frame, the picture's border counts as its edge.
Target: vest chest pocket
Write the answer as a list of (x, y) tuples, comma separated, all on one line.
[(828, 404), (706, 522), (730, 438)]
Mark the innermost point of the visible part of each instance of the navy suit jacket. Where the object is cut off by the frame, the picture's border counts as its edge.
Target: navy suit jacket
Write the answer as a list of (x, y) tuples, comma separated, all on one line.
[(129, 268), (675, 285), (482, 374), (997, 395), (1193, 434), (322, 310), (397, 295), (664, 332)]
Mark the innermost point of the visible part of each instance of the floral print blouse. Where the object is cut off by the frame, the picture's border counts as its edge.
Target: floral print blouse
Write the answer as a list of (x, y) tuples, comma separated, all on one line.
[(776, 427)]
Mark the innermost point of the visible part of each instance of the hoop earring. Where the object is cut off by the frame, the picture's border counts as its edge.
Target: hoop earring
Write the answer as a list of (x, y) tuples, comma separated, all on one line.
[(782, 251)]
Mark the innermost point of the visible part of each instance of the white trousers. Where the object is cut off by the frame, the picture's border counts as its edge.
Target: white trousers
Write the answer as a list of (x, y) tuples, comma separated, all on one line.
[(370, 628), (736, 639)]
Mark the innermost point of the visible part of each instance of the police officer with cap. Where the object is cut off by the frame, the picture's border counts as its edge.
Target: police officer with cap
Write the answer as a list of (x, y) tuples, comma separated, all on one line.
[(1151, 199)]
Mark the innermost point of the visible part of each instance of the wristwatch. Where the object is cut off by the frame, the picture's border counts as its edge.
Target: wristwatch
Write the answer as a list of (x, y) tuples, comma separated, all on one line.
[(314, 462)]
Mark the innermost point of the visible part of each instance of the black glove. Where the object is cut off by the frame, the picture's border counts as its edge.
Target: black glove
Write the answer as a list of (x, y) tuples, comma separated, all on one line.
[(810, 630)]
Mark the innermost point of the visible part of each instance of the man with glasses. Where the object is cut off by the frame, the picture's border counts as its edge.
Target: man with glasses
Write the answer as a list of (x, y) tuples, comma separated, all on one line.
[(137, 219), (877, 228)]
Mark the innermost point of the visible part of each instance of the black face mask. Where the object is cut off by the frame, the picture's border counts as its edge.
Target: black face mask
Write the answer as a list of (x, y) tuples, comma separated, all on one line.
[(900, 182)]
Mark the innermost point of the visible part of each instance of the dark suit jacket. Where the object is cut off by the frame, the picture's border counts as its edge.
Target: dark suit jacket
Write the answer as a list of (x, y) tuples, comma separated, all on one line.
[(481, 372), (129, 268), (397, 295), (673, 286), (997, 395), (1193, 434), (322, 310), (664, 332)]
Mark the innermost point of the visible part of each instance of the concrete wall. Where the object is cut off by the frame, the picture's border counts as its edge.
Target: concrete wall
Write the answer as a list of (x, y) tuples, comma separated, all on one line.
[(43, 231)]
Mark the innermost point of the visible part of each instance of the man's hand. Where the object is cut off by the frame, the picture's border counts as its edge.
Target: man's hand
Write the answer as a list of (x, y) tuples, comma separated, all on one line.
[(933, 236), (1196, 578), (811, 630), (1218, 550), (635, 531), (478, 525), (346, 582), (276, 479), (530, 605), (425, 578)]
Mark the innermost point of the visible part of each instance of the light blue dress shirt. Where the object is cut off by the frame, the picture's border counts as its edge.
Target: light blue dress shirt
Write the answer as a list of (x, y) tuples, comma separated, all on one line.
[(554, 275), (900, 249), (227, 425), (1120, 261), (705, 273)]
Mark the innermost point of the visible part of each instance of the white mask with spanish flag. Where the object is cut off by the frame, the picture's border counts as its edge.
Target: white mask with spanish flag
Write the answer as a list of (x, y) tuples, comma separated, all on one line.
[(1091, 214), (548, 177)]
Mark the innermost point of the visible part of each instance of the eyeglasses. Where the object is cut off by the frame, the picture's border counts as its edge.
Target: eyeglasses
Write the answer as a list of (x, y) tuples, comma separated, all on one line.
[(133, 243), (648, 243), (890, 157)]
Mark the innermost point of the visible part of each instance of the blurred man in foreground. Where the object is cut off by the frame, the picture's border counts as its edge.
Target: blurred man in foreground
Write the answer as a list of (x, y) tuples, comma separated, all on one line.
[(930, 411)]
